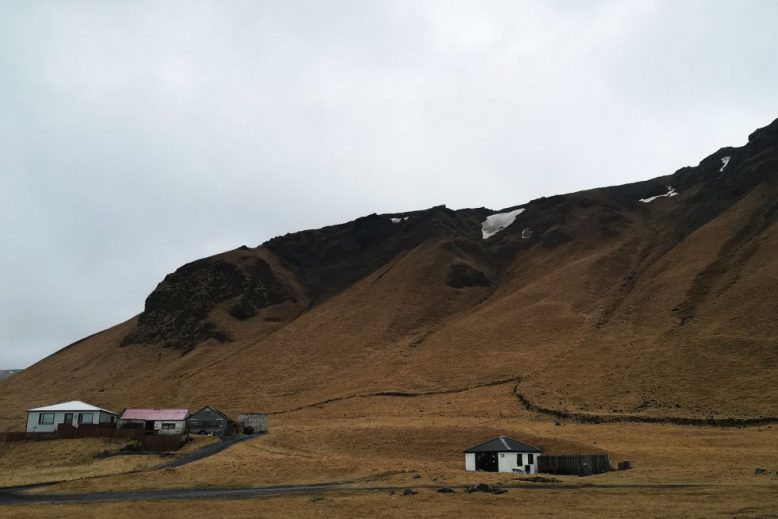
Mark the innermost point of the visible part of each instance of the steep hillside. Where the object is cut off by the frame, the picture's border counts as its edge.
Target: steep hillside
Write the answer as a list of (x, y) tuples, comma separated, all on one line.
[(648, 299), (5, 373)]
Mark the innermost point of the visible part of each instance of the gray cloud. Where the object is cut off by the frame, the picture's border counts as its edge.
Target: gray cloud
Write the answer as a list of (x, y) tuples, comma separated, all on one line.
[(136, 136)]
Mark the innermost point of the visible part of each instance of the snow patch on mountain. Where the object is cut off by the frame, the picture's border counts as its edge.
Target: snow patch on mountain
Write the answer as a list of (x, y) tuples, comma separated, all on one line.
[(724, 162), (497, 222), (398, 220), (671, 192)]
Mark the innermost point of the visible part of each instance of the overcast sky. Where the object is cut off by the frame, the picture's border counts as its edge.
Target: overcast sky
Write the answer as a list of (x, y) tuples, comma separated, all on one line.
[(137, 136)]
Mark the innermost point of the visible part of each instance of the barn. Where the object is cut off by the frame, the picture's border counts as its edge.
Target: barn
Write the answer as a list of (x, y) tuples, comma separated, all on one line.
[(210, 420), (155, 421), (75, 413), (503, 454)]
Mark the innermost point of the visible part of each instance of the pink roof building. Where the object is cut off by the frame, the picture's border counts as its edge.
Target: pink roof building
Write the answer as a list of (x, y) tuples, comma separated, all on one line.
[(154, 414)]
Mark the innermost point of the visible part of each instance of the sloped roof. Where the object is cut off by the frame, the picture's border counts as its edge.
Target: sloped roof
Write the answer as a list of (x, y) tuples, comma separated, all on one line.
[(75, 405), (154, 414), (212, 408), (503, 444)]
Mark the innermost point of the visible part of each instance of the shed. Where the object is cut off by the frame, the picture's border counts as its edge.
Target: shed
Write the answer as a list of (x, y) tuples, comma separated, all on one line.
[(75, 413), (210, 420), (256, 421), (155, 421), (503, 454)]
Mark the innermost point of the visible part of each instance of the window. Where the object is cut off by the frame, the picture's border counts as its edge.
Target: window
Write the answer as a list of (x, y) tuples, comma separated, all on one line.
[(530, 458), (85, 418), (519, 458), (46, 418), (168, 426)]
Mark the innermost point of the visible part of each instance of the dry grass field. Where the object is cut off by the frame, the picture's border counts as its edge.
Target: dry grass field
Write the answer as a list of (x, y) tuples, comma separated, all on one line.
[(386, 441), (378, 444), (26, 463), (740, 502)]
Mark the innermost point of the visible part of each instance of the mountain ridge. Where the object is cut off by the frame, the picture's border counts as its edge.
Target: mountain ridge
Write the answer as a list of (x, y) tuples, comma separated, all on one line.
[(597, 300), (5, 373)]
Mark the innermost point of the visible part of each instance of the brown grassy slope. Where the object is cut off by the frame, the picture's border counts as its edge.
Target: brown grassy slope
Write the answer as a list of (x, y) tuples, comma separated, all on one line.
[(26, 463), (402, 328), (612, 306), (400, 442)]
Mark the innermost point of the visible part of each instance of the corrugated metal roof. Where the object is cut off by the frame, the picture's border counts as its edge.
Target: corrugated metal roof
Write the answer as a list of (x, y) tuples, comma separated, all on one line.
[(75, 405), (154, 414), (503, 444)]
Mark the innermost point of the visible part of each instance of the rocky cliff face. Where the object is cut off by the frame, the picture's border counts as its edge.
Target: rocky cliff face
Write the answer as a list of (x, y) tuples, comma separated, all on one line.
[(178, 313)]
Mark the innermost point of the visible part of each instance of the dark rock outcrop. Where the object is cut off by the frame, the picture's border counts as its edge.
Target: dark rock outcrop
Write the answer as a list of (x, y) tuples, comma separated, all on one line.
[(462, 275), (177, 311), (329, 259)]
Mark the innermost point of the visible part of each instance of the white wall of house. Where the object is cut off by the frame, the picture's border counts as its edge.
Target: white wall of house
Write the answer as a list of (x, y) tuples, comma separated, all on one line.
[(160, 426), (507, 461), (53, 419), (170, 427)]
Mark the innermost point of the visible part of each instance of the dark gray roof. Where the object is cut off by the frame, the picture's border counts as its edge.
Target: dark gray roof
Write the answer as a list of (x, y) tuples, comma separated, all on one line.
[(212, 408), (503, 444)]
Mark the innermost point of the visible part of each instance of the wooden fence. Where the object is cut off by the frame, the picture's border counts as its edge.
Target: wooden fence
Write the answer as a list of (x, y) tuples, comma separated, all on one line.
[(166, 443), (580, 465), (150, 442), (65, 432), (13, 436)]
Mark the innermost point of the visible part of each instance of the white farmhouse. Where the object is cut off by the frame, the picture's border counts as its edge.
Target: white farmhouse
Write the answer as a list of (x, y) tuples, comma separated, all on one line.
[(48, 418), (155, 421), (503, 454)]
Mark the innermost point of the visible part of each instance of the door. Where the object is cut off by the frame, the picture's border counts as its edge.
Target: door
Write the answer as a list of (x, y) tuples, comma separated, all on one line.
[(486, 461), (68, 419), (149, 426)]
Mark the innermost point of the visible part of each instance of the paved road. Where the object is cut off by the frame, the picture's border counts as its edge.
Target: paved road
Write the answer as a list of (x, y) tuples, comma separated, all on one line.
[(16, 497), (9, 497), (207, 451)]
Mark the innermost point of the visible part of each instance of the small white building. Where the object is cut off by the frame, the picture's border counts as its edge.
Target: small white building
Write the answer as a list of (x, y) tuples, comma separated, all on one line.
[(155, 421), (503, 454), (75, 413)]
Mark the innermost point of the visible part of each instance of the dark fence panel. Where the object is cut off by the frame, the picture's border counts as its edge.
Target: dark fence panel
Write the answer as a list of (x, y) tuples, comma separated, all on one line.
[(167, 443), (575, 465), (25, 436), (150, 443), (97, 432)]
